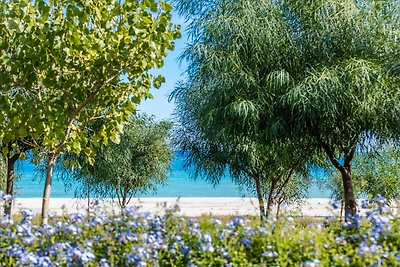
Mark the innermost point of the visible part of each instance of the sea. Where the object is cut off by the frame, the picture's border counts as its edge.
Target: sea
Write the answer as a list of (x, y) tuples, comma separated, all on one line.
[(180, 183)]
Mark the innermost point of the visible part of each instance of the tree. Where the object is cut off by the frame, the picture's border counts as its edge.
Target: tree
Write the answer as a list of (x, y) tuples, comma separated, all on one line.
[(230, 98), (17, 144), (266, 169), (376, 173), (321, 70), (78, 62), (345, 93), (136, 165)]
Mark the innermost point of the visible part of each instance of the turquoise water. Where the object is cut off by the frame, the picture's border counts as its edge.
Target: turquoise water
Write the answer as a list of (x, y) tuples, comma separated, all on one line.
[(179, 184)]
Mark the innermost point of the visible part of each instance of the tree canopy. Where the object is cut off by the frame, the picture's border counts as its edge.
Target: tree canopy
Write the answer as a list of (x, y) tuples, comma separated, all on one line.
[(229, 98), (65, 64), (321, 72), (136, 165)]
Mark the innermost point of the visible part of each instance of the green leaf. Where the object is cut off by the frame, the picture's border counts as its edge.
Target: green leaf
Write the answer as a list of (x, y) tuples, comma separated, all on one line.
[(167, 7), (12, 24), (115, 137), (22, 131), (147, 20)]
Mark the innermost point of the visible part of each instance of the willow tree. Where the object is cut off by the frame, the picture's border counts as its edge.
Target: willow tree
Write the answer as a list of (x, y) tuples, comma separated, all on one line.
[(267, 170), (228, 106), (77, 62), (319, 70), (346, 92)]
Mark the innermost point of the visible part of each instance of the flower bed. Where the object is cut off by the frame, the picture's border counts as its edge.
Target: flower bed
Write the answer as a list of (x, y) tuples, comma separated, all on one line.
[(145, 239)]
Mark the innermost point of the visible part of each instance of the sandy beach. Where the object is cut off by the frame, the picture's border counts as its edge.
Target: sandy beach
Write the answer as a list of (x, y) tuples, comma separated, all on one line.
[(187, 206)]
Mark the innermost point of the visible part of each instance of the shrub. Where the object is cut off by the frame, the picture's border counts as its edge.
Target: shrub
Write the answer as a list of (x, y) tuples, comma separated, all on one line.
[(135, 238)]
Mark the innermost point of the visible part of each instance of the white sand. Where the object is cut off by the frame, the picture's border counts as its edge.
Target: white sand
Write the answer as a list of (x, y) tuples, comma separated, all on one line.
[(187, 206)]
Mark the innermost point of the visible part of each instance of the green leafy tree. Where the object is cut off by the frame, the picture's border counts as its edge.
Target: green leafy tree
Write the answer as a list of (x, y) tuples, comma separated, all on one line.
[(376, 173), (73, 63), (230, 98), (268, 171), (345, 92), (379, 173), (323, 71), (136, 165)]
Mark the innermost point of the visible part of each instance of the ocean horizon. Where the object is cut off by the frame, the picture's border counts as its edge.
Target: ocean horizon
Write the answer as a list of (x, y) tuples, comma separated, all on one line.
[(179, 183)]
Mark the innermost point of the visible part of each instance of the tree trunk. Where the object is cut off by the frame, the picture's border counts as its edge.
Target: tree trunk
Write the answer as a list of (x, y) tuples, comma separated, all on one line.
[(341, 209), (10, 182), (47, 187), (350, 205), (278, 208), (270, 201), (260, 198), (88, 195), (124, 197)]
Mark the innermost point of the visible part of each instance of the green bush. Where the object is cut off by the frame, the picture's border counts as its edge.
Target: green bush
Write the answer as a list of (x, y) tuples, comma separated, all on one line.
[(143, 239)]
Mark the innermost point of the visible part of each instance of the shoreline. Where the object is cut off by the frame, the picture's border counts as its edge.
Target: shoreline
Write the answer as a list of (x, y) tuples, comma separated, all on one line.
[(193, 206)]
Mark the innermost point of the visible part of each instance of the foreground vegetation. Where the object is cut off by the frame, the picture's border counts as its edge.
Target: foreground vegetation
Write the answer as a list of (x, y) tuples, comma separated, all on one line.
[(134, 238)]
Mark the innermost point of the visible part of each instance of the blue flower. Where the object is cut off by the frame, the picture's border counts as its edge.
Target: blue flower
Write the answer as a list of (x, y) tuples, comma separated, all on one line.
[(28, 258), (207, 238), (28, 214), (8, 198), (364, 204), (313, 263), (246, 242), (335, 203)]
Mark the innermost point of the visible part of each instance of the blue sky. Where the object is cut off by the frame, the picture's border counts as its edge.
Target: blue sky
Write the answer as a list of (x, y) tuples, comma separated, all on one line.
[(172, 71)]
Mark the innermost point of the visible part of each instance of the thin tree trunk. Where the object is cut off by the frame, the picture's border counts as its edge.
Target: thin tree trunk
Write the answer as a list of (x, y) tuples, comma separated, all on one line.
[(47, 187), (124, 197), (350, 205), (118, 197), (278, 208), (88, 195), (10, 182), (341, 209), (260, 197), (270, 201)]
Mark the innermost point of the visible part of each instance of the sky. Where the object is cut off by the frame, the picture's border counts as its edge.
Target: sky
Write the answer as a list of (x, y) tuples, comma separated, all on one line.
[(173, 72)]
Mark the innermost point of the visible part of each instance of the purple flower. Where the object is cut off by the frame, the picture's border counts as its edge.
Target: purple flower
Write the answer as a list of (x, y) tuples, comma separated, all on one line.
[(313, 263), (28, 214), (270, 254), (246, 242), (8, 198), (335, 203), (364, 204)]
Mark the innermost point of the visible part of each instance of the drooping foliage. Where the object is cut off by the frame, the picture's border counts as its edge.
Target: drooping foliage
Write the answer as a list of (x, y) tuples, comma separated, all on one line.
[(323, 73), (375, 173), (230, 97), (136, 165)]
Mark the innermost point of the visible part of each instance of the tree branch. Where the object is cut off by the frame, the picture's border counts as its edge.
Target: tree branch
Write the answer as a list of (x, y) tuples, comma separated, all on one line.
[(349, 157), (285, 183), (81, 106), (330, 154)]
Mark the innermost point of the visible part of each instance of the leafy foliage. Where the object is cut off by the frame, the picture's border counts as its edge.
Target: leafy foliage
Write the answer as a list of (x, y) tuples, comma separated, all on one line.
[(73, 62), (376, 173), (136, 165), (141, 238), (322, 73), (227, 107)]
